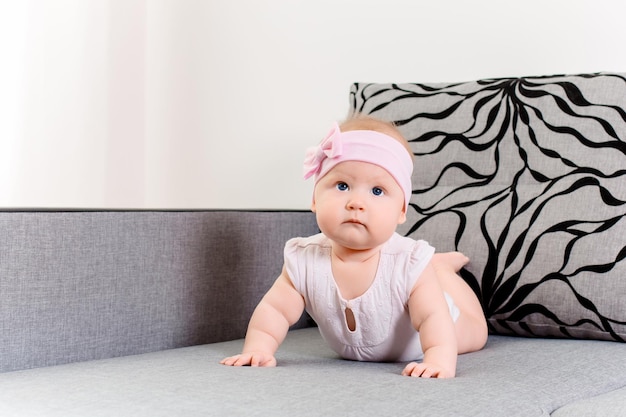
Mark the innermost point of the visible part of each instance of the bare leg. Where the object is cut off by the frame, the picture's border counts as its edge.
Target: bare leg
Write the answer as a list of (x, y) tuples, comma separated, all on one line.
[(471, 326)]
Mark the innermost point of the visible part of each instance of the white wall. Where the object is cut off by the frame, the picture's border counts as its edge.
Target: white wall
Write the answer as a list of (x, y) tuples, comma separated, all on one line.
[(211, 104)]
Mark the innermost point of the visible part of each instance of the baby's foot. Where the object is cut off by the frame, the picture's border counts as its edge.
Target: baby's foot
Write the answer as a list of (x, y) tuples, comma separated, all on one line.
[(454, 260)]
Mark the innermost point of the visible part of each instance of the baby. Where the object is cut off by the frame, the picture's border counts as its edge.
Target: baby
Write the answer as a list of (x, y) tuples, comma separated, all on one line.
[(375, 295)]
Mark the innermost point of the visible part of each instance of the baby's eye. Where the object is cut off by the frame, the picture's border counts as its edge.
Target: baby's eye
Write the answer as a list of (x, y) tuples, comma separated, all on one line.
[(377, 191), (342, 186)]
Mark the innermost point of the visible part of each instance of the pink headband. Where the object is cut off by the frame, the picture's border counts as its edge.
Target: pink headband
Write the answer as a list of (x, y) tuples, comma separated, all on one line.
[(364, 146)]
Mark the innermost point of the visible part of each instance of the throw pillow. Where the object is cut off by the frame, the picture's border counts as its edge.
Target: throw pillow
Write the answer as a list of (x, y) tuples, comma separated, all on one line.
[(527, 176)]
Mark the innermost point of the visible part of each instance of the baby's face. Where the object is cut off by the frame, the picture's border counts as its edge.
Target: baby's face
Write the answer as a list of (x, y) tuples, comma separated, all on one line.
[(358, 205)]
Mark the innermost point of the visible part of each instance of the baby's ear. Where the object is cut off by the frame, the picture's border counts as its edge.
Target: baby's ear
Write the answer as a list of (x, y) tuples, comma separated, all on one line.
[(402, 216)]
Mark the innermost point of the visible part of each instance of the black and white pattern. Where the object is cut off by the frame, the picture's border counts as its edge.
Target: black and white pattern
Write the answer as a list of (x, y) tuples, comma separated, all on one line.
[(528, 177)]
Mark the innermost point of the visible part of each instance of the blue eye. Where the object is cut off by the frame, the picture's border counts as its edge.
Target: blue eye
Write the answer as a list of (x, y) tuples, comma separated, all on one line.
[(377, 191), (342, 186)]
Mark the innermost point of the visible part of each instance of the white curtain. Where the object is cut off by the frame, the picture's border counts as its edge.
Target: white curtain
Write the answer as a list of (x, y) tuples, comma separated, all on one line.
[(154, 104), (117, 103), (72, 102), (211, 103)]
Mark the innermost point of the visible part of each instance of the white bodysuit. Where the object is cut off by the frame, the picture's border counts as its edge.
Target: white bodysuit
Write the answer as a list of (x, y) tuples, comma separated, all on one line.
[(383, 327)]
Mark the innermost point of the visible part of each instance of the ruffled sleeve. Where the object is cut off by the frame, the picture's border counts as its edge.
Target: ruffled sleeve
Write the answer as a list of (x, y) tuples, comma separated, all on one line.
[(292, 266), (419, 257)]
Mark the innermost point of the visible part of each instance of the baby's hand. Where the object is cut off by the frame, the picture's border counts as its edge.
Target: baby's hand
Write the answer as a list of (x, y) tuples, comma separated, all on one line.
[(250, 358), (426, 370)]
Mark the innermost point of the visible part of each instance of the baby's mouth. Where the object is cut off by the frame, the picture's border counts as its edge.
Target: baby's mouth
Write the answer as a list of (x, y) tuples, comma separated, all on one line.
[(355, 221)]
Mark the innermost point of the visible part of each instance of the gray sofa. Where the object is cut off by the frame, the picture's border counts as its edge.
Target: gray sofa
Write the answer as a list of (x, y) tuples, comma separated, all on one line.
[(127, 313)]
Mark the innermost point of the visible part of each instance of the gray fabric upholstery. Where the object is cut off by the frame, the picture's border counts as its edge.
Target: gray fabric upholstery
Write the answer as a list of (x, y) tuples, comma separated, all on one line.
[(610, 404), (76, 286), (510, 377), (526, 176)]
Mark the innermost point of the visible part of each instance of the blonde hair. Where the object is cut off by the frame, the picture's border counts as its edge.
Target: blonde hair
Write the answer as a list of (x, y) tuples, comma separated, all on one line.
[(360, 121)]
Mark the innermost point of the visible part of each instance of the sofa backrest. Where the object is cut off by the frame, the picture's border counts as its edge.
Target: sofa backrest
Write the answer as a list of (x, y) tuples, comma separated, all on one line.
[(81, 285), (527, 176)]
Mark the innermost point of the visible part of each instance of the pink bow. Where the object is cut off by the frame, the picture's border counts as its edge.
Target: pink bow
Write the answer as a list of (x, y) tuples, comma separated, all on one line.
[(330, 147)]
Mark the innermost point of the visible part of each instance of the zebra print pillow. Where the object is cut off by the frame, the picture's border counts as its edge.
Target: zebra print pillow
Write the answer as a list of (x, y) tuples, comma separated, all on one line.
[(527, 176)]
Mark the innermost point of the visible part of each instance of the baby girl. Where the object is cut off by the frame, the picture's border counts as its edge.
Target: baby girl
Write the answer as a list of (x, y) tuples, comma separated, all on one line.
[(375, 295)]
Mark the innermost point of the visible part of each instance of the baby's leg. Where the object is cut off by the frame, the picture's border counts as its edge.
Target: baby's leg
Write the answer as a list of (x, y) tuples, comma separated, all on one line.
[(471, 326)]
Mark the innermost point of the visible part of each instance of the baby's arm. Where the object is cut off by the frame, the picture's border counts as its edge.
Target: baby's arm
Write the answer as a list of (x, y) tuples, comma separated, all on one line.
[(431, 317), (281, 307)]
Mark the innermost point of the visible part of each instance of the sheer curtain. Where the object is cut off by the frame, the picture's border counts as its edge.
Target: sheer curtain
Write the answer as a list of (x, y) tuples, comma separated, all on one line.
[(151, 104), (72, 103), (211, 103)]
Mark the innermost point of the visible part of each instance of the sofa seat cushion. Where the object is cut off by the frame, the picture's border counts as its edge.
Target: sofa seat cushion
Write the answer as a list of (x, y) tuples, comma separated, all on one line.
[(511, 377), (526, 176), (610, 404)]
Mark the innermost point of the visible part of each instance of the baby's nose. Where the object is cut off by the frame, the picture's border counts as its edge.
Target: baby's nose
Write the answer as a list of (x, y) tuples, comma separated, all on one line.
[(355, 203)]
